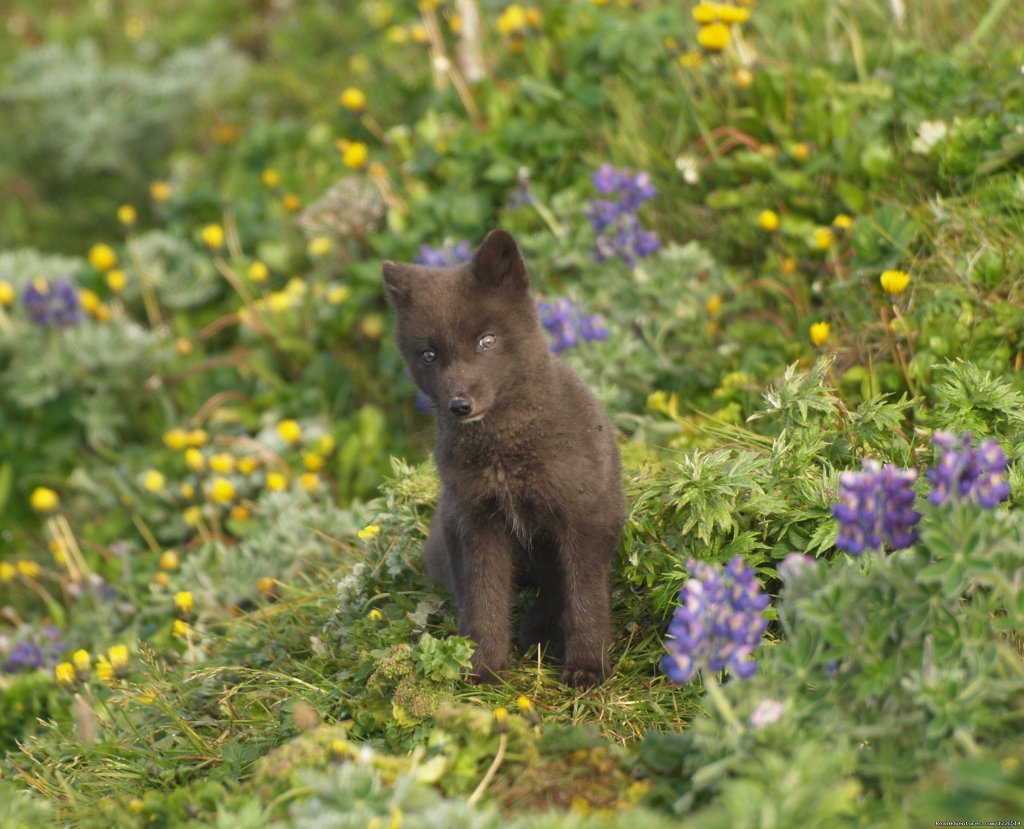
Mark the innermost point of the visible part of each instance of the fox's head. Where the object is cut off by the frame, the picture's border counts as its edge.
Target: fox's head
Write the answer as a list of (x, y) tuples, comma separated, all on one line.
[(469, 334)]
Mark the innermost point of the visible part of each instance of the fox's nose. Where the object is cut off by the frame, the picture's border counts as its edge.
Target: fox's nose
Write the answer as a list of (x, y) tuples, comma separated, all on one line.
[(460, 405)]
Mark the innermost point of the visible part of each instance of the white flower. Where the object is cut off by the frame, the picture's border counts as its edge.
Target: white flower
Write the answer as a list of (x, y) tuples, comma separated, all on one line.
[(689, 167), (929, 133), (768, 712)]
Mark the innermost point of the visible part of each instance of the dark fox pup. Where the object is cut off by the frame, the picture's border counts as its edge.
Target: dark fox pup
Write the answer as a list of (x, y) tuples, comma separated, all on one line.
[(530, 473)]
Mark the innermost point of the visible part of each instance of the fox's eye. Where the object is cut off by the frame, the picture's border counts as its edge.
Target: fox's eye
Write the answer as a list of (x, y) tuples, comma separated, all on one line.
[(427, 356), (487, 341)]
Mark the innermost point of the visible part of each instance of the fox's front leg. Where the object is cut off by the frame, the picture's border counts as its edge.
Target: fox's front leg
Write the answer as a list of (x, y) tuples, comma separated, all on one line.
[(483, 564), (586, 617)]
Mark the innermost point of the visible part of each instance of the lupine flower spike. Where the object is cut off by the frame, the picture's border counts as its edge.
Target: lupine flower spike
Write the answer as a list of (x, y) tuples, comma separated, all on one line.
[(719, 624), (968, 472), (616, 224), (876, 506)]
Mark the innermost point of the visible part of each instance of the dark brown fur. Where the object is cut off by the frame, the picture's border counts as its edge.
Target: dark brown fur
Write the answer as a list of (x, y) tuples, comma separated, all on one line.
[(531, 491)]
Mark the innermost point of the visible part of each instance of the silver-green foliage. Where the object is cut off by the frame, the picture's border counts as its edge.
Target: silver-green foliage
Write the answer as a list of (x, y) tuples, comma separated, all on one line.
[(82, 114)]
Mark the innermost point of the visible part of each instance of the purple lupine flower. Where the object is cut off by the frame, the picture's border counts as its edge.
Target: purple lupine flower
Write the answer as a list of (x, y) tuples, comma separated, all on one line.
[(876, 505), (617, 227), (445, 256), (52, 302), (968, 472), (568, 325), (607, 179), (719, 624), (38, 649)]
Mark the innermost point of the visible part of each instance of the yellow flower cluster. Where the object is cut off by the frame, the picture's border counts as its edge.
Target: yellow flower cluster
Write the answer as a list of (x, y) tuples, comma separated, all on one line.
[(715, 19)]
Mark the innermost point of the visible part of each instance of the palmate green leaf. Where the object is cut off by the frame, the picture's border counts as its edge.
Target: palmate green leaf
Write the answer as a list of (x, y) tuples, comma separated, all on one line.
[(971, 399), (792, 402), (710, 488)]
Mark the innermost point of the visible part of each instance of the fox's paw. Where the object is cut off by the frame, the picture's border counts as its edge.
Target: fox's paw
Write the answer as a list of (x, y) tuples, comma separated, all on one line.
[(582, 678)]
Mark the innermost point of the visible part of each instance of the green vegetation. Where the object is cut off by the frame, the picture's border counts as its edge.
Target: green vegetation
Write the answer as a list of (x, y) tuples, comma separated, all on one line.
[(215, 482)]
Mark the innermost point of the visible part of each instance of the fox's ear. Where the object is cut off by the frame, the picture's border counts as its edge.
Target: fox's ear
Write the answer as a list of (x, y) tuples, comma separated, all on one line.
[(498, 261), (397, 280)]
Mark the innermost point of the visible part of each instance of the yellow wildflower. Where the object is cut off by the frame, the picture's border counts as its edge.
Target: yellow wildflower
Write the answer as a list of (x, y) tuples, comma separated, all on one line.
[(309, 481), (743, 77), (222, 490), (500, 720), (176, 439), (894, 281), (714, 37), (397, 35), (29, 569), (355, 155), (183, 602), (338, 294), (183, 346), (271, 178), (82, 661), (705, 13), (325, 445), (353, 98), (369, 532), (455, 23), (154, 480), (104, 670), (266, 584), (194, 459), (732, 14), (89, 300), (824, 238), (534, 18), (223, 462), (843, 223), (102, 257), (161, 580), (276, 482), (512, 20), (213, 237), (64, 673), (198, 437), (160, 191), (43, 499), (788, 265), (800, 151), (126, 215), (169, 560), (820, 332), (181, 629), (320, 246), (375, 615), (188, 492), (768, 220), (118, 656), (312, 461), (192, 516), (291, 203), (258, 272), (289, 431), (116, 280), (7, 571), (248, 464), (6, 294), (714, 305), (240, 513)]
